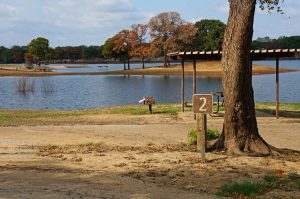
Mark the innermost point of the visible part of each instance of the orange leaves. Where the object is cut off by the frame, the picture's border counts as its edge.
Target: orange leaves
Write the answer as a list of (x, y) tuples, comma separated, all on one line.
[(170, 33)]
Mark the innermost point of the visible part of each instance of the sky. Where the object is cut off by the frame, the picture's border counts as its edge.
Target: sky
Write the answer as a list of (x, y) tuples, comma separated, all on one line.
[(91, 22)]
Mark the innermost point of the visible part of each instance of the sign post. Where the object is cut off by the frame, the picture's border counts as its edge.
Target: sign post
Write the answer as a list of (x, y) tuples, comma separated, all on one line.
[(202, 105), (149, 101)]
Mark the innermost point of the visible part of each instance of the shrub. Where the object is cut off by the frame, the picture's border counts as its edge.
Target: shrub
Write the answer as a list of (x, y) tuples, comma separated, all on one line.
[(210, 135), (240, 189), (192, 137)]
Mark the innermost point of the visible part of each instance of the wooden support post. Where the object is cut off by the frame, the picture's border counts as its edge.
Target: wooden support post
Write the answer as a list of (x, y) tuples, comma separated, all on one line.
[(194, 82), (201, 134), (194, 78), (277, 87), (182, 85), (204, 130), (150, 108), (199, 130)]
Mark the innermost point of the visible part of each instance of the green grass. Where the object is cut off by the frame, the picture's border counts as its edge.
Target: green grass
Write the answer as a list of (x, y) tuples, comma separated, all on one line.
[(297, 184), (270, 178), (210, 135), (251, 189), (11, 116), (240, 189), (285, 109), (192, 137), (17, 117)]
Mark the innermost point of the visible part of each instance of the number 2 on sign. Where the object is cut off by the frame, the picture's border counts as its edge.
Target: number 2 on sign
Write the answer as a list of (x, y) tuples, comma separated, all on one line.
[(204, 100)]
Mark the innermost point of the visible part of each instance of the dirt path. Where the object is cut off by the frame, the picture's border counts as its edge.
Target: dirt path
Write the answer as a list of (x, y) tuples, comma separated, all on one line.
[(133, 161)]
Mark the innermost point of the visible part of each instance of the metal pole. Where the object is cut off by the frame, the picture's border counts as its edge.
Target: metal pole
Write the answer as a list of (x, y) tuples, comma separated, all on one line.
[(182, 85), (194, 78), (277, 87)]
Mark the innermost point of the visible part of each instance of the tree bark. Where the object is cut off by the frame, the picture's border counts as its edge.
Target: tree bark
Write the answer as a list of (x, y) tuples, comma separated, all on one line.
[(240, 133), (165, 60), (124, 65), (128, 63), (143, 60)]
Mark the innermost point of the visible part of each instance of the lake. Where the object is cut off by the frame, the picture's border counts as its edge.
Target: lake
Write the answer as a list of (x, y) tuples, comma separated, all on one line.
[(84, 91)]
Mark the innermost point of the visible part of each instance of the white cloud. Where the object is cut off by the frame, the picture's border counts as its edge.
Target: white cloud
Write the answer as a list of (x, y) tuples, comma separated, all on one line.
[(7, 10), (67, 22)]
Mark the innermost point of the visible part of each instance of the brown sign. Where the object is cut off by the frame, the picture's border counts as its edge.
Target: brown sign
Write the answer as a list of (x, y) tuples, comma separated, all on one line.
[(149, 100), (203, 103)]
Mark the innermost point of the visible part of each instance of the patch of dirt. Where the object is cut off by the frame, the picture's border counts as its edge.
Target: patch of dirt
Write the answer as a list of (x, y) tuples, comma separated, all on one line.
[(145, 160)]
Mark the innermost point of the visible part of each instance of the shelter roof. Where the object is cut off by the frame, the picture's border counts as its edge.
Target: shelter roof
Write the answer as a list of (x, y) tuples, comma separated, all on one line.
[(217, 55)]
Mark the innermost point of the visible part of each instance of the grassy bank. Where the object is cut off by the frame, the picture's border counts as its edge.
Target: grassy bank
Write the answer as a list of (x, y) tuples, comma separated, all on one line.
[(59, 117), (285, 109)]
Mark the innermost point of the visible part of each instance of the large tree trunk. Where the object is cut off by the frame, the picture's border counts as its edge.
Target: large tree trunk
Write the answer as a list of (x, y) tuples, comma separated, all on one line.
[(240, 133)]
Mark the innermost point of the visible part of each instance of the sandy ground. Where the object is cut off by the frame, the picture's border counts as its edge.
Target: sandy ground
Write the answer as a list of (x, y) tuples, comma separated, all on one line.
[(206, 68), (134, 159)]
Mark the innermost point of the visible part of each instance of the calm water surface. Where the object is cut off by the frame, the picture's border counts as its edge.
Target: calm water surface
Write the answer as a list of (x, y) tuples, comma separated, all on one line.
[(81, 92)]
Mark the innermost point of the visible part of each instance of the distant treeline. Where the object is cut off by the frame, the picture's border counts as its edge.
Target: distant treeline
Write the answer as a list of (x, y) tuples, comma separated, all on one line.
[(16, 54), (280, 43)]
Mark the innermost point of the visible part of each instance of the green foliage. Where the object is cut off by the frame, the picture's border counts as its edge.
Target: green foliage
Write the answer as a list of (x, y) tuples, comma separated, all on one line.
[(297, 183), (270, 5), (240, 189), (210, 135), (12, 55), (108, 51), (280, 43), (39, 49), (271, 182), (270, 178), (192, 137), (209, 35)]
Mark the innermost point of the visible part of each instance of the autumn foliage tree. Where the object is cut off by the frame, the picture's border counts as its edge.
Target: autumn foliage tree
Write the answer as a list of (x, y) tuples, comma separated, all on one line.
[(124, 43), (169, 33), (138, 37), (240, 133)]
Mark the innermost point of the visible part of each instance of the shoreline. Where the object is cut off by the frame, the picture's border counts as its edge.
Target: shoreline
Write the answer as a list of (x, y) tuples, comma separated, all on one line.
[(205, 69)]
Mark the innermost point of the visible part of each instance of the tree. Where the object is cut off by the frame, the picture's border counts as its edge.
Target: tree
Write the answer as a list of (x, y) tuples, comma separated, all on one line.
[(140, 47), (280, 43), (18, 53), (124, 44), (39, 49), (209, 35), (169, 33), (5, 55), (108, 52), (240, 132)]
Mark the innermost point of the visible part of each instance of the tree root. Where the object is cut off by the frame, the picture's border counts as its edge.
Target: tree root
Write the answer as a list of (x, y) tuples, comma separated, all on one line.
[(256, 147)]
